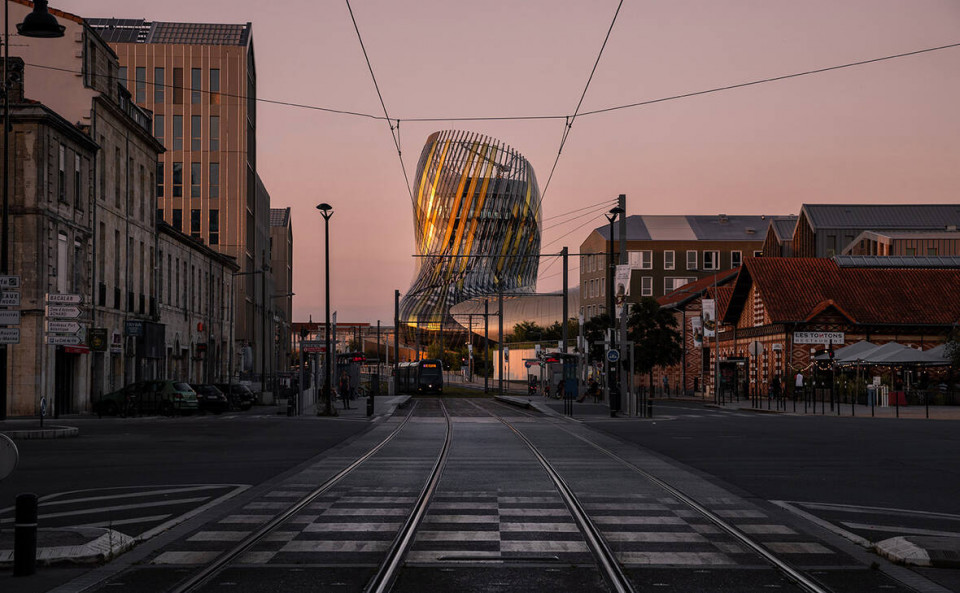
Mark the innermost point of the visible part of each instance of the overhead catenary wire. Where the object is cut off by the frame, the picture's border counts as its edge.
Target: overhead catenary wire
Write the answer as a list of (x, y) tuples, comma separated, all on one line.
[(568, 124), (603, 203), (394, 132), (590, 214)]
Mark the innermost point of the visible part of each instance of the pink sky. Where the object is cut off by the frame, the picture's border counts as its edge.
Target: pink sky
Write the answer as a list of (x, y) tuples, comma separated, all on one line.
[(881, 133)]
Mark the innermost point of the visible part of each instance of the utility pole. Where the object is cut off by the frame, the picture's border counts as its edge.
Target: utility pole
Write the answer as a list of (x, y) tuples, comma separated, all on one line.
[(565, 314), (500, 334), (486, 344), (396, 338), (625, 387)]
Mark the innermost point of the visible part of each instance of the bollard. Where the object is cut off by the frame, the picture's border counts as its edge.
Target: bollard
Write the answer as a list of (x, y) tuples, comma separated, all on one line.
[(370, 404), (649, 408), (25, 536)]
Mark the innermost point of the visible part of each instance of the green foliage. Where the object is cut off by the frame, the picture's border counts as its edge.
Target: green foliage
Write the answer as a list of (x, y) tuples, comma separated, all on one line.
[(654, 332), (594, 330)]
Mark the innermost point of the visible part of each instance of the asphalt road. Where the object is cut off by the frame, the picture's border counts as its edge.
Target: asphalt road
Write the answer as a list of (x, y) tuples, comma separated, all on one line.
[(864, 477)]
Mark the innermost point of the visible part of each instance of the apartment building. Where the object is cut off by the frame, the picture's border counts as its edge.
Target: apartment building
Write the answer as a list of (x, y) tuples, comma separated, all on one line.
[(199, 81), (665, 253)]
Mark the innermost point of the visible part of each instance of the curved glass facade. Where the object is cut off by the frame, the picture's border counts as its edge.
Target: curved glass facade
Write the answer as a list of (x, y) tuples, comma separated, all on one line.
[(476, 212)]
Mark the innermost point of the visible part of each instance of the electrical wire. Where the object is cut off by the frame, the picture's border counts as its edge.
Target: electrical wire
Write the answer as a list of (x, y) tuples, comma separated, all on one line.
[(569, 232), (393, 134), (603, 203), (597, 210), (766, 80), (569, 120)]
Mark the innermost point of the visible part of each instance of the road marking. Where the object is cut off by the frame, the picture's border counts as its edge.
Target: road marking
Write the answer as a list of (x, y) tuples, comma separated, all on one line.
[(511, 527), (125, 521), (766, 529), (824, 506), (901, 530), (218, 536), (351, 527), (124, 507), (453, 536), (335, 546), (185, 558), (675, 558), (798, 548), (825, 524)]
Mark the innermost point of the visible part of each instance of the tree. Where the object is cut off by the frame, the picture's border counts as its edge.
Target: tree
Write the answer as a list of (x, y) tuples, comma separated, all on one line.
[(653, 331), (594, 330), (953, 348)]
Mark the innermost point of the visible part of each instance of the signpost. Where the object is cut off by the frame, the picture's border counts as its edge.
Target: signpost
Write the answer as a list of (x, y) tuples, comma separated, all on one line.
[(55, 340), (10, 282), (63, 327), (314, 347), (63, 311), (10, 317), (9, 335), (9, 299)]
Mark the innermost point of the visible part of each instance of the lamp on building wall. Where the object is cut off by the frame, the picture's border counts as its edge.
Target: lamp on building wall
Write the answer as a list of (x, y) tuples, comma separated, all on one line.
[(326, 210), (39, 24)]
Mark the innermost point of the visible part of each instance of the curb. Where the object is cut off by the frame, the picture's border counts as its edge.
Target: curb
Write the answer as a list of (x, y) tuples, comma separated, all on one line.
[(754, 410), (104, 546), (514, 401), (53, 432), (939, 552)]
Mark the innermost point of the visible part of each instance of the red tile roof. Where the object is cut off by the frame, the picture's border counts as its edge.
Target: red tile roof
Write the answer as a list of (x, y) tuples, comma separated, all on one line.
[(694, 289), (795, 289)]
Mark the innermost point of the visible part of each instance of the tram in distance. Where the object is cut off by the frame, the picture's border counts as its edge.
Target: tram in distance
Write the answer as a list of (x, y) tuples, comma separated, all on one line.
[(422, 376)]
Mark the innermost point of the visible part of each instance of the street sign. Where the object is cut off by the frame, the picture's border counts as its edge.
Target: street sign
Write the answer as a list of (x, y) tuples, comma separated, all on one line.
[(63, 327), (314, 346), (9, 281), (133, 328), (63, 311), (613, 355), (9, 317), (63, 340), (9, 335), (64, 299), (9, 299), (756, 348)]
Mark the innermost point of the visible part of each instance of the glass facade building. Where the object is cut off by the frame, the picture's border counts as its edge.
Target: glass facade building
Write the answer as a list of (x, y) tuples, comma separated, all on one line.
[(476, 211)]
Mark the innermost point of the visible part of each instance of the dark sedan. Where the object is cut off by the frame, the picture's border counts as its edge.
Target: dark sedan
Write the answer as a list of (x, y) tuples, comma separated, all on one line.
[(211, 399)]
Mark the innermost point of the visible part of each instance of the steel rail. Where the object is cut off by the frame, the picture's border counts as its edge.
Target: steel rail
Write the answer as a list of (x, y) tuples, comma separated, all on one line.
[(804, 582), (218, 564), (607, 560), (386, 574)]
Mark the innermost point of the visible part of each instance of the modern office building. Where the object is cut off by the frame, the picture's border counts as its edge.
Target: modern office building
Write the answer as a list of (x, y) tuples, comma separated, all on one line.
[(281, 263), (199, 80), (476, 209)]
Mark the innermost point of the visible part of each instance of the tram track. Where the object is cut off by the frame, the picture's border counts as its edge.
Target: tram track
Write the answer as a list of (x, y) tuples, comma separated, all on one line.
[(804, 582), (392, 562)]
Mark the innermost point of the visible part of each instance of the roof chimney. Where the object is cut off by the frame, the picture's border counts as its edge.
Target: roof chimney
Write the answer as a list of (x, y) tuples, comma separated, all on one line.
[(724, 219)]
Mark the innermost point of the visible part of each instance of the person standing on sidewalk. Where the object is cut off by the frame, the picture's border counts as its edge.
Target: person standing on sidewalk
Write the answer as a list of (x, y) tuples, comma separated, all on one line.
[(343, 388)]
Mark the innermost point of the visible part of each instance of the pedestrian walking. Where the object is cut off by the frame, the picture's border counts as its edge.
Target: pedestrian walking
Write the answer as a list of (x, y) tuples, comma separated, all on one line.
[(666, 385), (343, 389)]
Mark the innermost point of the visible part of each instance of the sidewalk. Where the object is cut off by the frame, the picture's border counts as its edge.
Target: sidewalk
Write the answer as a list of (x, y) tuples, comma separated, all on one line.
[(843, 410)]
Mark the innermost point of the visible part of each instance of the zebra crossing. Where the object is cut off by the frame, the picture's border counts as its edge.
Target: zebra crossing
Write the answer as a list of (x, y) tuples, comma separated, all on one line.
[(356, 526)]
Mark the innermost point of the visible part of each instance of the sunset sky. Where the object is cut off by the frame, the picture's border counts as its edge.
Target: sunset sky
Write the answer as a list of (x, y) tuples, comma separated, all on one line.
[(887, 132)]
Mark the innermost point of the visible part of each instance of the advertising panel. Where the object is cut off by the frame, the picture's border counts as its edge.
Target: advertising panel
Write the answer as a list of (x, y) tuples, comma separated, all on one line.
[(709, 318), (696, 327)]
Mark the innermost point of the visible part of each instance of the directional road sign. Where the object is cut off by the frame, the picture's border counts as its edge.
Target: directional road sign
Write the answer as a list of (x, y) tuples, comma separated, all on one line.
[(9, 299), (63, 327), (64, 299), (9, 281), (63, 340), (9, 335), (9, 317), (63, 311), (314, 346)]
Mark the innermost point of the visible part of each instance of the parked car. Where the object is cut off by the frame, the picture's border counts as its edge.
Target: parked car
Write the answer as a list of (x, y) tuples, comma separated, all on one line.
[(148, 397), (211, 399), (240, 396)]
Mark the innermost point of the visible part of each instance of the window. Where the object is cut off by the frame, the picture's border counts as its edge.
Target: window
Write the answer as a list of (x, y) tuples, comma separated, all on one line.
[(62, 175), (195, 223), (911, 251), (177, 221), (194, 180), (159, 215), (646, 286), (158, 86), (178, 180), (736, 259), (214, 132), (117, 170), (61, 269), (757, 253), (160, 179), (672, 284), (214, 227), (214, 86), (195, 76), (831, 245), (711, 260), (603, 287), (76, 182), (158, 127), (178, 86), (123, 76), (933, 251), (213, 189), (641, 260), (195, 122), (669, 260), (141, 85), (691, 260), (178, 132)]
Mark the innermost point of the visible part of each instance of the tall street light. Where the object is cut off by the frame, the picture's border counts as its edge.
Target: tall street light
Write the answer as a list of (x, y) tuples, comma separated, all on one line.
[(611, 371), (326, 210), (38, 24)]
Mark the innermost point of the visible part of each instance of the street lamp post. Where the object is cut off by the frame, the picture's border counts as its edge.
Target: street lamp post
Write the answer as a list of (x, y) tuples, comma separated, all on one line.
[(326, 210), (38, 24)]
